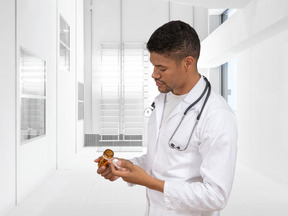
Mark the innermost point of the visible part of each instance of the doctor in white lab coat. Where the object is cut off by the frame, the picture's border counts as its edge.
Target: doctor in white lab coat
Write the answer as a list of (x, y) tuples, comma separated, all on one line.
[(183, 175)]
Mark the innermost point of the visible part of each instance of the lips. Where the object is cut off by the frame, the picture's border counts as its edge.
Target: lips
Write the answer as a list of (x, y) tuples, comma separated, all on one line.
[(159, 83)]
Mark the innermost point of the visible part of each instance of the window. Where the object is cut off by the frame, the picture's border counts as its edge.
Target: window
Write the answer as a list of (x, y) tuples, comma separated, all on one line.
[(228, 83), (120, 92), (64, 61), (33, 96), (227, 14), (80, 101)]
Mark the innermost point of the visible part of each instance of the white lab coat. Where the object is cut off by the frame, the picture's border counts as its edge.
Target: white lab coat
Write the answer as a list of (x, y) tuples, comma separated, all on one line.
[(198, 180)]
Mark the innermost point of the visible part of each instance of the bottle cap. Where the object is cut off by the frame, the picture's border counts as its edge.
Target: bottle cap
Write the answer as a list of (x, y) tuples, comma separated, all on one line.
[(114, 161)]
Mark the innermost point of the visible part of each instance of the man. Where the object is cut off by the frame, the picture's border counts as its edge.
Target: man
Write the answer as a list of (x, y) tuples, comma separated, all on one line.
[(189, 166)]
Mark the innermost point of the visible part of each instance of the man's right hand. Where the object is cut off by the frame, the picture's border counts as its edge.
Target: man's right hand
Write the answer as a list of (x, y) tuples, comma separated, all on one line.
[(106, 171)]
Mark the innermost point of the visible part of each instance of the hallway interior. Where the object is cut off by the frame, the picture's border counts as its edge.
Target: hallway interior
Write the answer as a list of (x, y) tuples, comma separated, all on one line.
[(77, 190)]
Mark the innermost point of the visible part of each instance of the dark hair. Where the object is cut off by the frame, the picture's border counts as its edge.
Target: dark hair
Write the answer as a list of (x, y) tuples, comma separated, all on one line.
[(176, 40)]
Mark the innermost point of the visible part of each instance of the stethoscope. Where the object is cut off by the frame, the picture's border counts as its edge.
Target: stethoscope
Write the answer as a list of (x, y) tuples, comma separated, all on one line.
[(170, 142)]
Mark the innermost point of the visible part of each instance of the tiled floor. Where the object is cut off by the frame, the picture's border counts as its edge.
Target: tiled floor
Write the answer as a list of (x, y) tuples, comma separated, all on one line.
[(77, 190)]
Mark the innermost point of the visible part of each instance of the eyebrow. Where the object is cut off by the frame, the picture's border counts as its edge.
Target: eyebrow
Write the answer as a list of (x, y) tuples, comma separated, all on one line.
[(159, 66)]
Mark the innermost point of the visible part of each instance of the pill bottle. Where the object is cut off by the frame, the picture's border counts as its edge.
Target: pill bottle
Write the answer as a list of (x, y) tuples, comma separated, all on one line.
[(107, 154)]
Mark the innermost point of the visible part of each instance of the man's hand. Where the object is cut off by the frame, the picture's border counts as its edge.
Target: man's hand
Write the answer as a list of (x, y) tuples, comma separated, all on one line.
[(106, 171), (136, 175)]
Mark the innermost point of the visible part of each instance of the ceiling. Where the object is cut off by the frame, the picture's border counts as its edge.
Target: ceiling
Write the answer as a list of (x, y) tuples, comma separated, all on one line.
[(214, 4)]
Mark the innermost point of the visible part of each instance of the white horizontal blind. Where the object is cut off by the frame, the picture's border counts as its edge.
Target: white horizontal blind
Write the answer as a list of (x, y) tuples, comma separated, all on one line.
[(120, 92)]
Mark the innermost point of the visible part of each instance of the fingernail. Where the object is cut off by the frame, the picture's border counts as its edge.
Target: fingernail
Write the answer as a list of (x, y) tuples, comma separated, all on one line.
[(118, 163)]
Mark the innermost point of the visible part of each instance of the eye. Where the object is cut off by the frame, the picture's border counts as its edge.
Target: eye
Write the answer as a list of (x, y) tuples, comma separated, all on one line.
[(163, 69)]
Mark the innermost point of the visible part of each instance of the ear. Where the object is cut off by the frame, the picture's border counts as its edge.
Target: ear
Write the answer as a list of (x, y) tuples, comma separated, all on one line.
[(189, 61)]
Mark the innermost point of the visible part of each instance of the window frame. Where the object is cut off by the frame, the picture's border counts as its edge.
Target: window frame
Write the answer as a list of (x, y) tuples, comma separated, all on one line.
[(32, 96)]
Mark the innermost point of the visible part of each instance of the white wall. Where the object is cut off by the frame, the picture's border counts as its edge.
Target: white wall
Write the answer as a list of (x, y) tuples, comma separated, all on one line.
[(66, 89), (23, 166), (263, 106), (256, 22), (201, 22), (181, 12), (36, 26), (7, 108), (87, 67), (79, 66), (257, 37), (141, 18)]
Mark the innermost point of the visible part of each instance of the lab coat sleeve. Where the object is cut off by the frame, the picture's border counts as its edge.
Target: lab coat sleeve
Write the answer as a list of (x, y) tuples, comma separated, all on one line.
[(218, 149), (140, 161)]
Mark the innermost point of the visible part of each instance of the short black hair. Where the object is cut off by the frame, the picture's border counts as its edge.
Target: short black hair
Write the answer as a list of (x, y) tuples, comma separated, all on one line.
[(176, 40)]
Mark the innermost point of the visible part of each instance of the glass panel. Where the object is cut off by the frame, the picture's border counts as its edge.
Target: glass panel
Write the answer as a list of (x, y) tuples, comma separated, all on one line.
[(80, 110), (32, 118), (64, 61), (228, 82), (33, 95), (33, 74), (64, 32), (227, 14), (80, 91), (80, 101)]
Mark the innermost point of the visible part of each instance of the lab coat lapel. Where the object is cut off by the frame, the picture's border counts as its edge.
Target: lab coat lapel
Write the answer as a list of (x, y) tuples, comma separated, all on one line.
[(158, 111), (159, 106), (193, 95)]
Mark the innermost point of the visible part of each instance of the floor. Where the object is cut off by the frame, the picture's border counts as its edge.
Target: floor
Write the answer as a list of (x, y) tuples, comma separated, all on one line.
[(77, 190)]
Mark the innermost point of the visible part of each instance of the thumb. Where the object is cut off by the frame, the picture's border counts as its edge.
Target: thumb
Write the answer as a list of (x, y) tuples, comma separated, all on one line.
[(124, 164)]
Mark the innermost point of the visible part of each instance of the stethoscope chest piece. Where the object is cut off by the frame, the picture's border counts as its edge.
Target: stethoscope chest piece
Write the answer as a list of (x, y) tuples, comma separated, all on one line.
[(148, 111)]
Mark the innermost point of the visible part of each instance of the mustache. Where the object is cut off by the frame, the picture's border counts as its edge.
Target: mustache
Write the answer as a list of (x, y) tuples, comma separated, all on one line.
[(158, 80)]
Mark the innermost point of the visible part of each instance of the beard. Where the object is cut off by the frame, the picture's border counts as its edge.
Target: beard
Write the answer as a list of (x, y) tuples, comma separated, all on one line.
[(163, 88)]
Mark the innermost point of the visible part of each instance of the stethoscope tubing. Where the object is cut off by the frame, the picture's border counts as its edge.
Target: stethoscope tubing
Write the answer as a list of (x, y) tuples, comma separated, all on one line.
[(207, 87)]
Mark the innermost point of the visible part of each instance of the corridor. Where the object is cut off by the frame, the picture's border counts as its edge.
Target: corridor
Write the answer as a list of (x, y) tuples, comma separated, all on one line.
[(77, 190)]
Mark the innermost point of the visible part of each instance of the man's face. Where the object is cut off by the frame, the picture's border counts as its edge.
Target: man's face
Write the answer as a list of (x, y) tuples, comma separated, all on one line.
[(168, 75)]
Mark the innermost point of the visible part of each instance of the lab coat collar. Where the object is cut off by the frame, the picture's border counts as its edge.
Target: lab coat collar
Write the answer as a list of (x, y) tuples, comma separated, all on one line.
[(192, 96)]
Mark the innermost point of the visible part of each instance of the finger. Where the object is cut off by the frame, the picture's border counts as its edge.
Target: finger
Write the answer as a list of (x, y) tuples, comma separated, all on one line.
[(113, 178), (125, 164), (115, 171), (106, 171), (97, 160), (109, 175), (119, 172), (101, 170)]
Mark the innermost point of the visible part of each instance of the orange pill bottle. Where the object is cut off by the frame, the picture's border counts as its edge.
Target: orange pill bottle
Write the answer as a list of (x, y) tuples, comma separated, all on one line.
[(107, 154)]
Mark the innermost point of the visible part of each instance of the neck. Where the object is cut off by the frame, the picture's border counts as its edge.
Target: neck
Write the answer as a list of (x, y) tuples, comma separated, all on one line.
[(191, 81), (194, 79)]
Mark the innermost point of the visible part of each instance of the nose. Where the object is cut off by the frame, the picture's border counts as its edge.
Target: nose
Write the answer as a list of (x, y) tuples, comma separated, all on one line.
[(155, 74)]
